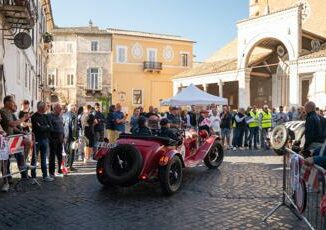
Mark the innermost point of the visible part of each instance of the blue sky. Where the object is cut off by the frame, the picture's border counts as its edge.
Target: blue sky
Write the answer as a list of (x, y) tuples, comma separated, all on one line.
[(211, 23)]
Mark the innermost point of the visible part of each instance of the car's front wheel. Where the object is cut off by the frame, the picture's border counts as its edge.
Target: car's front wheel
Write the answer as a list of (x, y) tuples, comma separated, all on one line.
[(100, 173), (171, 176), (215, 156)]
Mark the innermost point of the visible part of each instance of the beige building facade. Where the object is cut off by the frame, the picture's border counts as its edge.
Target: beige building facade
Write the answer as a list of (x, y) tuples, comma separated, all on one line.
[(79, 66), (143, 67)]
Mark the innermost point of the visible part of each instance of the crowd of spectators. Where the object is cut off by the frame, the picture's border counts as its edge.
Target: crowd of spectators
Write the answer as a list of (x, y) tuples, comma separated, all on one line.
[(52, 128), (55, 128)]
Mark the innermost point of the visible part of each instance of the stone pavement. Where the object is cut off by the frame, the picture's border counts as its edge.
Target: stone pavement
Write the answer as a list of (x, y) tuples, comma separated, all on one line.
[(236, 196)]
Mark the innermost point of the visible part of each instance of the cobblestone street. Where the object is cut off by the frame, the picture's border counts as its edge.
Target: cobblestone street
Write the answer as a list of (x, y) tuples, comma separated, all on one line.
[(237, 196)]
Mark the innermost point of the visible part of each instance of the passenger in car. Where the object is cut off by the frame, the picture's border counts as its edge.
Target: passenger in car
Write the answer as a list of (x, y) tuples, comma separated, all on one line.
[(142, 129), (166, 131)]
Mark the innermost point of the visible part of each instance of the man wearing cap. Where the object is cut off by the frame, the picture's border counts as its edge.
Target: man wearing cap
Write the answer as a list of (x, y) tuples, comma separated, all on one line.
[(166, 130), (174, 118), (265, 118)]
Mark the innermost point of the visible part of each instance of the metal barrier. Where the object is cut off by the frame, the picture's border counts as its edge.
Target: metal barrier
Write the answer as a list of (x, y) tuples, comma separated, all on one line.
[(14, 145), (303, 190)]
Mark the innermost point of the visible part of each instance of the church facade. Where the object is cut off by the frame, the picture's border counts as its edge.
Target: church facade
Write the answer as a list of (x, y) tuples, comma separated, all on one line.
[(278, 57)]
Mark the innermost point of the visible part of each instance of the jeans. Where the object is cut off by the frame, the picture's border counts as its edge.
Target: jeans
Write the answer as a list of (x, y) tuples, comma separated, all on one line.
[(5, 167), (238, 137), (234, 136), (226, 133), (70, 152), (263, 138), (42, 146), (55, 151), (321, 161), (246, 136), (99, 136), (253, 135)]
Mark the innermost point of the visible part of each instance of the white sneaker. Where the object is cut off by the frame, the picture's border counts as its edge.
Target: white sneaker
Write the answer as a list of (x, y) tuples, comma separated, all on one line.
[(234, 149), (5, 187), (91, 160), (48, 179), (59, 175)]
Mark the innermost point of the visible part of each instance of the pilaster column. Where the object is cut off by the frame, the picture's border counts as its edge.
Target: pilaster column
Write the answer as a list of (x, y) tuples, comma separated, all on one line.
[(205, 87), (318, 88), (276, 89), (176, 87), (220, 88), (294, 87), (244, 89)]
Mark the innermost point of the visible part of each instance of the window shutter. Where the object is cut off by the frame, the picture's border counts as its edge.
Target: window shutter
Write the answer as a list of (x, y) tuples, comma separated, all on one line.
[(88, 79), (100, 78)]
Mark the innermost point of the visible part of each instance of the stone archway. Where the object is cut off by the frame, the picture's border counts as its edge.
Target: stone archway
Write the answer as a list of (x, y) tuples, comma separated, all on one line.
[(268, 62), (283, 27)]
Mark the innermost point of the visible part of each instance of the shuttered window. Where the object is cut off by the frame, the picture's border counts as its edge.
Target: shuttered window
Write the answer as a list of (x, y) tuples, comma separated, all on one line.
[(94, 79)]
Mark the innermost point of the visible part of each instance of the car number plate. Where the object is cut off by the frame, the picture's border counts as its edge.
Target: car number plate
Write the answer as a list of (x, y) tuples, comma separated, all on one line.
[(105, 145)]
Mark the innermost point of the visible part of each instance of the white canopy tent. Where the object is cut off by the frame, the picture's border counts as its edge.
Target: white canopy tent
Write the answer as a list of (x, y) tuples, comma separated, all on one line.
[(193, 96)]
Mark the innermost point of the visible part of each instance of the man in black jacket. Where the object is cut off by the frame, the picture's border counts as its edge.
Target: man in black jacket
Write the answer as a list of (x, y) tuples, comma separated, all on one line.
[(166, 131), (100, 126), (192, 118), (70, 133), (142, 129), (313, 129), (41, 128), (56, 139)]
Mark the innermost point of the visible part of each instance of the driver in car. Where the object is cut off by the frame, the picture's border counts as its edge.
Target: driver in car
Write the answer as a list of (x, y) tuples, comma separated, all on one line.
[(142, 129), (166, 131)]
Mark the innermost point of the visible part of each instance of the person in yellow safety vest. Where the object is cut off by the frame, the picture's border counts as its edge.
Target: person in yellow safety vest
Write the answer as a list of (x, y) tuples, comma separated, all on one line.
[(253, 127), (266, 125)]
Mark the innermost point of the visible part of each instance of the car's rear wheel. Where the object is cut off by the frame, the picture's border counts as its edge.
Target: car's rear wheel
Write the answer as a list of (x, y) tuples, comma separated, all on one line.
[(171, 176), (123, 165), (215, 156), (101, 174)]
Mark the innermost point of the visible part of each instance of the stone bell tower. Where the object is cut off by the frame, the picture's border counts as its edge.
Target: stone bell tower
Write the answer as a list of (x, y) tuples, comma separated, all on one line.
[(254, 8), (313, 12), (258, 8)]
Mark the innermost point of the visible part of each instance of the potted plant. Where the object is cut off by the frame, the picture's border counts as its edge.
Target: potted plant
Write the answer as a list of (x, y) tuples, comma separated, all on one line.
[(47, 37)]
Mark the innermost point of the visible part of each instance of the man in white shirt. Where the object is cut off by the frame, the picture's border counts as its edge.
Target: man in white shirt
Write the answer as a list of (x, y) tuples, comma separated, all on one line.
[(281, 117), (215, 122)]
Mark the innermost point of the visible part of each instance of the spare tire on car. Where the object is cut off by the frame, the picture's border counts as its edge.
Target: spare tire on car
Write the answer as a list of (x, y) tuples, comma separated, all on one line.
[(123, 165)]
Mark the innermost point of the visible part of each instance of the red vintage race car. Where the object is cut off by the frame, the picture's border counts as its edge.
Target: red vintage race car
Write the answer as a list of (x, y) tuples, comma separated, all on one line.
[(146, 158)]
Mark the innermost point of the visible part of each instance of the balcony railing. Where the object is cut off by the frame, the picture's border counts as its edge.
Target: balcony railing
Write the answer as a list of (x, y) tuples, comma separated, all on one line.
[(20, 14), (152, 66)]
